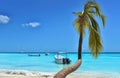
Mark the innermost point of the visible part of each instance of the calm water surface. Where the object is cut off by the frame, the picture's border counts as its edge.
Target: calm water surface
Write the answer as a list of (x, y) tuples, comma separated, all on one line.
[(109, 62)]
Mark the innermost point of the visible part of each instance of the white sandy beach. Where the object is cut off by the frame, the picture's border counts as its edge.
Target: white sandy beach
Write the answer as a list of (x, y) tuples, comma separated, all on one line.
[(31, 74)]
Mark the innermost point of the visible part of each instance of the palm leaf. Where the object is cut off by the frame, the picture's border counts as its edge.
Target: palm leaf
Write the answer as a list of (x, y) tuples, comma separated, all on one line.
[(97, 8), (93, 22), (77, 24), (103, 17), (92, 7), (95, 43), (78, 13)]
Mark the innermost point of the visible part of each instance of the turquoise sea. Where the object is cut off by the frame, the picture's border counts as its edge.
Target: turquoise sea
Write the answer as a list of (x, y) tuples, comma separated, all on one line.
[(106, 62)]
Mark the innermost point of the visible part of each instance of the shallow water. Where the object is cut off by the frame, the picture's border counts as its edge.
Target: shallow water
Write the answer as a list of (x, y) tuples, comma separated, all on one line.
[(21, 61)]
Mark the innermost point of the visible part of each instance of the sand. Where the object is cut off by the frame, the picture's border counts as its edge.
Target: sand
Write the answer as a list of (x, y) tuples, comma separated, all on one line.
[(32, 74)]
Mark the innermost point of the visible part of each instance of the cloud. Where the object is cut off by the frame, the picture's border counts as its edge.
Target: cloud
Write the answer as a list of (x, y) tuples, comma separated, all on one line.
[(4, 19), (32, 24)]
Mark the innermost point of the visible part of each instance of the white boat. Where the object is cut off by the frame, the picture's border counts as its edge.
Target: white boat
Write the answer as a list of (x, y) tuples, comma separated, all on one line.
[(61, 59)]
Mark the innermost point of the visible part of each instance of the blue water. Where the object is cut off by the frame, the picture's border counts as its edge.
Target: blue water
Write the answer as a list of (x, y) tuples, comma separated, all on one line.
[(105, 62)]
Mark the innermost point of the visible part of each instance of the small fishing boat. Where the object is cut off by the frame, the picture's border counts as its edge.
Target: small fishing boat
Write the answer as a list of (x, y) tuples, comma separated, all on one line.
[(59, 59), (46, 54)]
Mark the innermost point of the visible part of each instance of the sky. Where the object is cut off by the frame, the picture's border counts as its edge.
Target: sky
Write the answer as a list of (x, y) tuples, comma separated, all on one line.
[(47, 25)]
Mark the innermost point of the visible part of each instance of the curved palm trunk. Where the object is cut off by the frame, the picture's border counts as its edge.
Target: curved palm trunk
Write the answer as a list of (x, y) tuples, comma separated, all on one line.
[(64, 72)]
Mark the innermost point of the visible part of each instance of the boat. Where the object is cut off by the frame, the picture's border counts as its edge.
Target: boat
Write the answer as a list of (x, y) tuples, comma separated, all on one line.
[(46, 54), (33, 54), (59, 59)]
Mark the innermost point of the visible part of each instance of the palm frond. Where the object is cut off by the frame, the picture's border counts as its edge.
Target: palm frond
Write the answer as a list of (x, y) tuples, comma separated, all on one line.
[(87, 6), (78, 13), (95, 43), (77, 24), (92, 7), (93, 22), (103, 17), (97, 8), (78, 27)]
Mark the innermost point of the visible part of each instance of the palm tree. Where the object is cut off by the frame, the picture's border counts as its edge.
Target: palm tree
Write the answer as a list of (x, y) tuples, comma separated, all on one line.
[(86, 19)]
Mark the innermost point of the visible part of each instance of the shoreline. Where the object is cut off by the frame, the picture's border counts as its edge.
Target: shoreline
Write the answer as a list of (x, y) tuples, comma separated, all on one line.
[(5, 73)]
